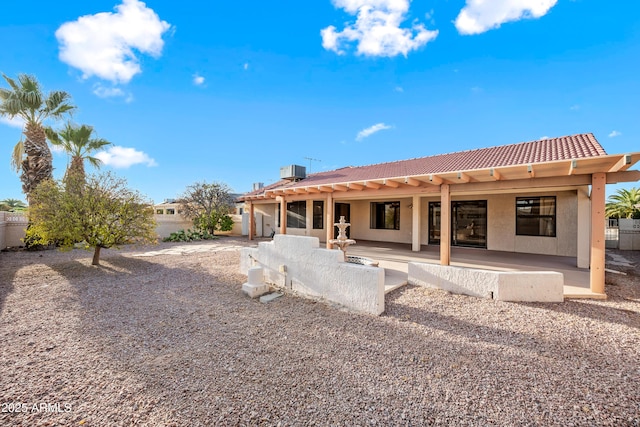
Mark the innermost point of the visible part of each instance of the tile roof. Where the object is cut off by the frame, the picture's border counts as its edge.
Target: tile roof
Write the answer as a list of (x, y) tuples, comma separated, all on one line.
[(545, 150)]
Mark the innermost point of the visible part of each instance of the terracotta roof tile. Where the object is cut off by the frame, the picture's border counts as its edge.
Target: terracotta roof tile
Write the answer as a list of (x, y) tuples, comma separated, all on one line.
[(545, 150)]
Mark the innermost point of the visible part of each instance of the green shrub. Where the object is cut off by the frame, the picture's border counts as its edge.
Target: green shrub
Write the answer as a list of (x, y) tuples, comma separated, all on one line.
[(189, 236)]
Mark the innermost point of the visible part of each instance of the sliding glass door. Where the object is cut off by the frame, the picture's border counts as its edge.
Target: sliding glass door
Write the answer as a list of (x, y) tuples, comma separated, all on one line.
[(468, 223)]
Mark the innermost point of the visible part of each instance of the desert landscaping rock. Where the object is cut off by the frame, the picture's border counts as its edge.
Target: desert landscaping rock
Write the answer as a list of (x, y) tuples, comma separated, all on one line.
[(164, 336)]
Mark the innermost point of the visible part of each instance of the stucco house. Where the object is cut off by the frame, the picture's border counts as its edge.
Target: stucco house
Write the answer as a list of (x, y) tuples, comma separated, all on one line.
[(543, 197)]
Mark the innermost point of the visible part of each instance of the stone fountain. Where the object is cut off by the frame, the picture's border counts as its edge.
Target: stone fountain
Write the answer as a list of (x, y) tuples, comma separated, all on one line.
[(342, 241)]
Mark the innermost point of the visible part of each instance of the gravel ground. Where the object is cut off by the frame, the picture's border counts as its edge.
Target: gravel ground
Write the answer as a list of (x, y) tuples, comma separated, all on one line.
[(170, 340)]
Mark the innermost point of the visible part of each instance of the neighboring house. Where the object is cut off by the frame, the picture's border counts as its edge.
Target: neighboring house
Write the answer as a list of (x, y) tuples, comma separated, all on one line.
[(169, 219), (544, 197)]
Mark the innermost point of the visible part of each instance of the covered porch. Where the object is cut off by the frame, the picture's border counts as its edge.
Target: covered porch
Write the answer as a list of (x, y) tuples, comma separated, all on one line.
[(394, 258)]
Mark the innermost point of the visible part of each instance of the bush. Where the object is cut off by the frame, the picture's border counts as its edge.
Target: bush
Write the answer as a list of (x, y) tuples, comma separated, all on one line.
[(189, 236)]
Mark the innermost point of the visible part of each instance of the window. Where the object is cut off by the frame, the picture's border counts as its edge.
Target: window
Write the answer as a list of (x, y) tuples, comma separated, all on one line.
[(385, 215), (318, 214), (536, 216), (159, 211), (171, 211), (297, 214)]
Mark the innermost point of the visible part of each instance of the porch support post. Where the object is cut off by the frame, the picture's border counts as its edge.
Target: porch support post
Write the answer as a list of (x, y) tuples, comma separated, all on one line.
[(252, 221), (584, 227), (415, 228), (598, 184), (329, 220), (283, 215), (445, 225)]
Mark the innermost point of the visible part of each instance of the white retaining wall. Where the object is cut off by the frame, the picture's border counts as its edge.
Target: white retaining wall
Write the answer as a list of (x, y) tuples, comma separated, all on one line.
[(12, 229), (525, 286), (299, 264)]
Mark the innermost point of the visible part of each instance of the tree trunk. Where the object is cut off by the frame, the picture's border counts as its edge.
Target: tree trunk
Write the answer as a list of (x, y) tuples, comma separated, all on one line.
[(96, 256), (38, 165)]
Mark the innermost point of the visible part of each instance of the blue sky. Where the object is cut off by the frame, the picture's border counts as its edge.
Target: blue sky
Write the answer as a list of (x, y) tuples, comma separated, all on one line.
[(232, 91)]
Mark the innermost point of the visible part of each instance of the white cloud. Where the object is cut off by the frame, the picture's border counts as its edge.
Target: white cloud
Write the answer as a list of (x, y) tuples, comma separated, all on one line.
[(377, 30), (15, 122), (479, 16), (111, 92), (198, 80), (123, 157), (106, 44), (542, 138), (246, 66), (575, 107), (399, 89), (56, 149), (371, 130), (614, 133)]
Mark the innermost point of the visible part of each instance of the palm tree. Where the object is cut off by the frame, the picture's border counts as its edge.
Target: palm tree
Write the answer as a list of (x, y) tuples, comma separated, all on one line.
[(77, 141), (624, 204), (26, 100), (12, 205)]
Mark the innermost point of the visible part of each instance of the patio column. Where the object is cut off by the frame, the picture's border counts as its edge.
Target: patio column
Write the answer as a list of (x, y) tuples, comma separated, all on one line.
[(329, 220), (598, 184), (415, 227), (445, 225), (584, 227), (283, 215), (252, 222)]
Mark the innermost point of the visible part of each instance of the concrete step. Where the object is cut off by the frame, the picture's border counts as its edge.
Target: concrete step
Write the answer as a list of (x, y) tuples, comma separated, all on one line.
[(270, 297)]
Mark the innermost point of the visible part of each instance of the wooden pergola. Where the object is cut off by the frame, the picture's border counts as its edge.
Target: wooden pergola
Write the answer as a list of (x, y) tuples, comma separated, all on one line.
[(596, 171)]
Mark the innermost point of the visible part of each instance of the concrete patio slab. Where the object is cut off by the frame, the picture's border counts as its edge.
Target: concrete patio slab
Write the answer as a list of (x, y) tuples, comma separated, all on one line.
[(394, 258)]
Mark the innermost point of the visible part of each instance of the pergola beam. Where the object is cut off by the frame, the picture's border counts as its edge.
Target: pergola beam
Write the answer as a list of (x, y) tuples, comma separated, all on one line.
[(463, 177), (373, 185), (623, 164), (390, 183), (530, 171), (435, 180), (412, 182)]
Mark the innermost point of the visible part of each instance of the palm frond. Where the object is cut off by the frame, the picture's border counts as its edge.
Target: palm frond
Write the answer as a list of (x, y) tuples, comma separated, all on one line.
[(57, 104), (17, 155), (94, 161), (52, 136), (11, 82)]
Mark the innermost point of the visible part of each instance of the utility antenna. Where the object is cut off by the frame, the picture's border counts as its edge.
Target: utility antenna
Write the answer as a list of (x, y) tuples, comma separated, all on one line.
[(311, 160)]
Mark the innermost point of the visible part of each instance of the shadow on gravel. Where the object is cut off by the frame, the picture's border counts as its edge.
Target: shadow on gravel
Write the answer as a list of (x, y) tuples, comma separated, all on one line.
[(449, 324), (147, 321), (625, 289), (6, 280)]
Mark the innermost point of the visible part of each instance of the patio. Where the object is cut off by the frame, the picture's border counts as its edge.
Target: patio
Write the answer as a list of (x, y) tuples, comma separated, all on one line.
[(394, 258)]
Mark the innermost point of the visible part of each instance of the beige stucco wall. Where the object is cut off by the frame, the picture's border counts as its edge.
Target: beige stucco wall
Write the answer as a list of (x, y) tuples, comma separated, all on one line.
[(629, 234), (268, 219), (12, 229), (501, 224), (501, 212), (360, 221), (167, 223), (3, 234)]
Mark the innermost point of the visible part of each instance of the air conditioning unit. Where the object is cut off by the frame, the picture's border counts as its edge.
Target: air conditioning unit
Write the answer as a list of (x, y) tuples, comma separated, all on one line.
[(258, 186), (293, 172)]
